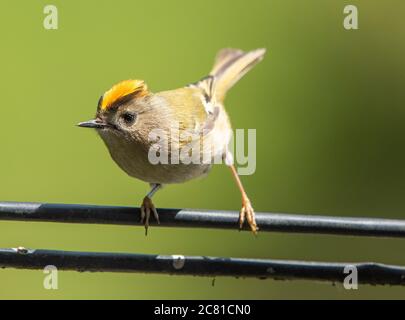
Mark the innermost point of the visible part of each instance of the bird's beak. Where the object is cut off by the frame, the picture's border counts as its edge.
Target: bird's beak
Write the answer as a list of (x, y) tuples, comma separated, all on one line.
[(94, 124)]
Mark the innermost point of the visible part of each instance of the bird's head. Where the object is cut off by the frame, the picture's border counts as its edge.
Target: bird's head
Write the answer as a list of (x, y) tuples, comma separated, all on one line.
[(119, 109)]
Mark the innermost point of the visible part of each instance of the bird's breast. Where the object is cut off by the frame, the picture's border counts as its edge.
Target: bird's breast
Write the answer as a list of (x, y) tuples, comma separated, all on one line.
[(140, 162)]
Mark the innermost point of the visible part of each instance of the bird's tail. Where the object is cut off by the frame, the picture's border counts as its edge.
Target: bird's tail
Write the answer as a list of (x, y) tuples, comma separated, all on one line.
[(230, 66)]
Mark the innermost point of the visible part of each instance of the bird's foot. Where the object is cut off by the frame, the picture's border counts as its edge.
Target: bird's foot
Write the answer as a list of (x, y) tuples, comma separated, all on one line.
[(247, 213), (146, 208)]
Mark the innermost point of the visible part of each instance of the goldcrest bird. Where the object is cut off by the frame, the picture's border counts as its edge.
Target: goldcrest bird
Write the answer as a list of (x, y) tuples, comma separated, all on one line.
[(129, 113)]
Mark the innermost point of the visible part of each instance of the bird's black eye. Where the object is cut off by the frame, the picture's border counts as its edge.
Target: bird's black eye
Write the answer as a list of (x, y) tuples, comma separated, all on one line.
[(129, 118)]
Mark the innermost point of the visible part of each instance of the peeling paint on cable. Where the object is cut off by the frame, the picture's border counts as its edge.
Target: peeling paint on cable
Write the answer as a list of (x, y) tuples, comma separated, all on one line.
[(178, 262)]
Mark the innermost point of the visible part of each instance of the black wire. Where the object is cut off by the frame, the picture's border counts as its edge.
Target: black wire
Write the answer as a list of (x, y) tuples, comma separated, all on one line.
[(370, 273), (367, 273), (73, 213)]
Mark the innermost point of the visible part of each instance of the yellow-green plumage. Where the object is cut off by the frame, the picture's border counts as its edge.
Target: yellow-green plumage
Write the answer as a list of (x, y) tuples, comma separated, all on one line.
[(195, 109)]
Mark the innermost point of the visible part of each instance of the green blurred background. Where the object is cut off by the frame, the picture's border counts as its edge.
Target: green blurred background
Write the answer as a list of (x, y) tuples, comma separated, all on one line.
[(328, 106)]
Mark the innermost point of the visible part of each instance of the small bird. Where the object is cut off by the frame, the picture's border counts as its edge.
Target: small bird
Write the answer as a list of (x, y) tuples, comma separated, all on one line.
[(129, 113)]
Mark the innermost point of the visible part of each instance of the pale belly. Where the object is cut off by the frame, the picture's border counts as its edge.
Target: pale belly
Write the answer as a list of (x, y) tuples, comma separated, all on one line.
[(161, 173), (134, 158), (136, 163)]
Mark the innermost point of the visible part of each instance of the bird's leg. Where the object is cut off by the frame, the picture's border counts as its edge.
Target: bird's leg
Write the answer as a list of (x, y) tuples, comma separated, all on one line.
[(247, 211), (147, 207)]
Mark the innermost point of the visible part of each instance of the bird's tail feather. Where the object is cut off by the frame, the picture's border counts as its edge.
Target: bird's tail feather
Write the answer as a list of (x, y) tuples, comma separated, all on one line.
[(230, 66)]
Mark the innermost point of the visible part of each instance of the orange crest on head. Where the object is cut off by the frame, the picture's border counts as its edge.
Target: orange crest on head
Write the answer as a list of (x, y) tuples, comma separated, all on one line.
[(121, 90)]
